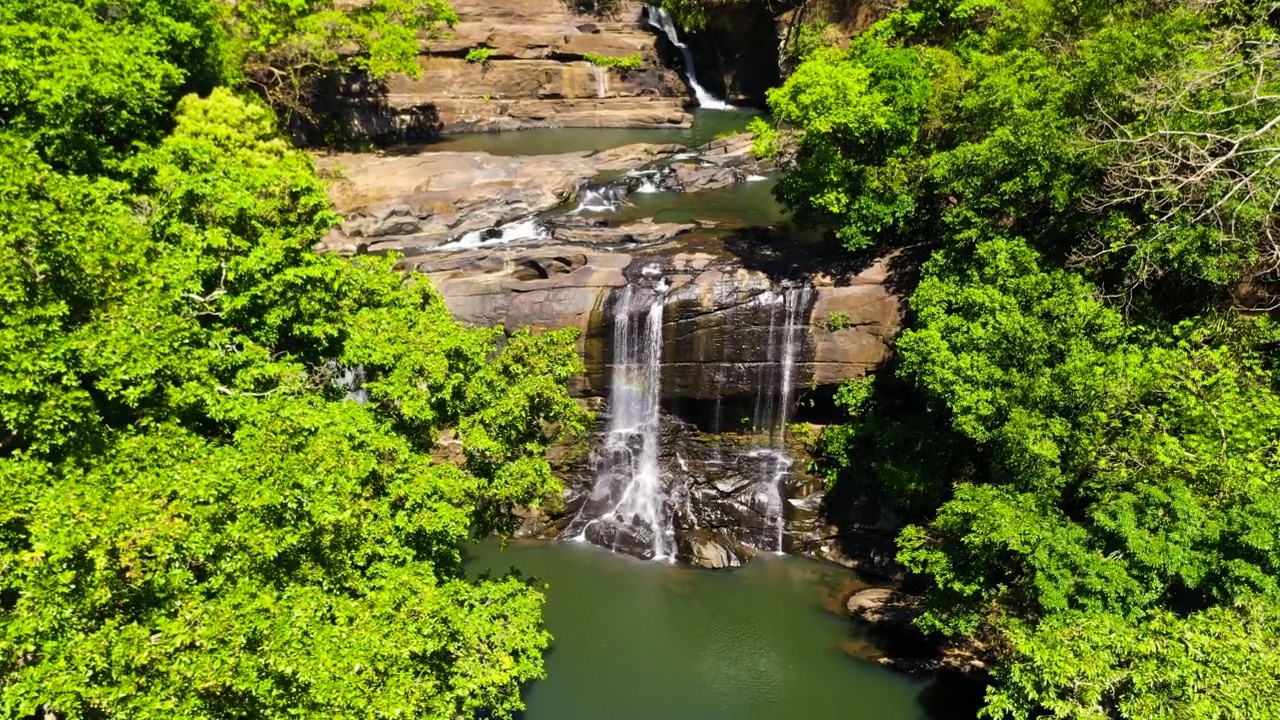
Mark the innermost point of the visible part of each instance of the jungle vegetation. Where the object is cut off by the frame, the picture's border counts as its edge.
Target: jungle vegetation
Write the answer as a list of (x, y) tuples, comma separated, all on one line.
[(219, 488), (1082, 423)]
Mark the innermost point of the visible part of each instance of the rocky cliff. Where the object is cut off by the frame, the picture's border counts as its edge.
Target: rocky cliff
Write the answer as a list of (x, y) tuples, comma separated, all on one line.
[(536, 75)]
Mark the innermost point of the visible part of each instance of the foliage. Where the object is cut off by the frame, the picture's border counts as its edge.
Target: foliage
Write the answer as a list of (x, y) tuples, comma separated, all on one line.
[(218, 490), (288, 48), (479, 54), (86, 81), (1083, 417), (628, 62), (806, 39), (691, 15), (838, 320)]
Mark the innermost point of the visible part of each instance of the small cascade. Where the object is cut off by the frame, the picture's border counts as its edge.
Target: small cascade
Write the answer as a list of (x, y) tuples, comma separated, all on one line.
[(775, 394), (519, 231), (629, 510), (602, 81), (644, 182), (600, 198), (659, 19)]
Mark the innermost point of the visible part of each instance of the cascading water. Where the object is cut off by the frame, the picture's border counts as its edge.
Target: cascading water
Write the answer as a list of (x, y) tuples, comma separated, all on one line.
[(775, 384), (519, 231), (600, 198), (660, 20), (602, 81), (352, 381), (629, 510)]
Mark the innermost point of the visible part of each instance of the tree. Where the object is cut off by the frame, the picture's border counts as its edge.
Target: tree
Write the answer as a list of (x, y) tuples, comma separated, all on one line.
[(286, 49), (87, 81), (199, 520), (1086, 394)]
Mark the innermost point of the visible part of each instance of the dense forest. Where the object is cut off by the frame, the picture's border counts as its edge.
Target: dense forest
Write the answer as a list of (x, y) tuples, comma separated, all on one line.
[(195, 520), (1083, 418), (228, 478)]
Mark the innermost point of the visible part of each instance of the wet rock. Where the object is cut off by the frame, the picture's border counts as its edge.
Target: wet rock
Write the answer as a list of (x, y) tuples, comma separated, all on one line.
[(418, 202), (717, 324), (870, 604), (705, 552), (644, 231), (720, 163)]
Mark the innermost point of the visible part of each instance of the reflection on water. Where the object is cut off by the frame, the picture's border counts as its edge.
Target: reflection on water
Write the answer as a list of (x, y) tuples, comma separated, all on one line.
[(648, 640), (707, 124)]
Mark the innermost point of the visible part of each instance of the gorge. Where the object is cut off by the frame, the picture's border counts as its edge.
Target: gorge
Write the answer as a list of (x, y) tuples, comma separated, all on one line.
[(702, 319), (707, 325)]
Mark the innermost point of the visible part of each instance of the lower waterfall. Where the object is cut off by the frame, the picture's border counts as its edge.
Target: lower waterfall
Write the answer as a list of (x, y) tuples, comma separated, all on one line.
[(628, 509), (639, 498), (775, 391)]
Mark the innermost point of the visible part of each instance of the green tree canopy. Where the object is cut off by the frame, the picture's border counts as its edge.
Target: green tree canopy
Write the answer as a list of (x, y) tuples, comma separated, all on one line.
[(88, 83), (198, 519), (223, 484), (1083, 418)]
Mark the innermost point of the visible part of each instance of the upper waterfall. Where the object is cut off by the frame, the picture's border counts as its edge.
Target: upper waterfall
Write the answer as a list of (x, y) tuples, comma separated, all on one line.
[(659, 19)]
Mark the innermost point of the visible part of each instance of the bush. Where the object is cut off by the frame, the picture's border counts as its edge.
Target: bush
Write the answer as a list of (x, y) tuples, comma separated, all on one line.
[(629, 62), (479, 54), (838, 320)]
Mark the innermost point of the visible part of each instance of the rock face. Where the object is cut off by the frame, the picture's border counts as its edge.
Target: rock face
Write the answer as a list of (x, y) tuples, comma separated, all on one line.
[(537, 75), (719, 315), (410, 203)]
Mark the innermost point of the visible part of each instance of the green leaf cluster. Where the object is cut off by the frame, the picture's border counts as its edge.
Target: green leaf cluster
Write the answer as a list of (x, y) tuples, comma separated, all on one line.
[(627, 62), (479, 54), (1083, 416), (236, 476)]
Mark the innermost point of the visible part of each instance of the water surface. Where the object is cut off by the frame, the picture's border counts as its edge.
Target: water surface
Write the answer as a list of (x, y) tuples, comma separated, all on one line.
[(707, 124), (648, 641)]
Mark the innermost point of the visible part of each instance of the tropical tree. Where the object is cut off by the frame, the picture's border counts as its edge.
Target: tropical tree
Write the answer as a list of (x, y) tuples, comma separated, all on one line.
[(1082, 416)]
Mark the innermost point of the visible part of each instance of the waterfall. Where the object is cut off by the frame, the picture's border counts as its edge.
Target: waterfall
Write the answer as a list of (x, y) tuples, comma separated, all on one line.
[(352, 381), (519, 231), (628, 509), (602, 81), (660, 20), (600, 198), (775, 391)]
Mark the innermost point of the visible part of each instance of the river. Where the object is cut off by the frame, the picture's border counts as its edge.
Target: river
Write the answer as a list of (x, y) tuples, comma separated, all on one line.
[(641, 640), (707, 124)]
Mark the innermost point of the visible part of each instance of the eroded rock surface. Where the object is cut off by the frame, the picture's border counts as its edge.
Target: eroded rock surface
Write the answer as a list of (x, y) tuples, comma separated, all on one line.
[(536, 75), (719, 315), (411, 203)]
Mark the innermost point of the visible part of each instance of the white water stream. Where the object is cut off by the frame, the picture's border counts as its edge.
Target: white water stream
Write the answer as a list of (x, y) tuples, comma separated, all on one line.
[(628, 504), (660, 20), (774, 395)]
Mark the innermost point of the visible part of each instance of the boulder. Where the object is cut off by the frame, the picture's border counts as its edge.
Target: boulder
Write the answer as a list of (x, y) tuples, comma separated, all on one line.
[(869, 603), (644, 231), (705, 552)]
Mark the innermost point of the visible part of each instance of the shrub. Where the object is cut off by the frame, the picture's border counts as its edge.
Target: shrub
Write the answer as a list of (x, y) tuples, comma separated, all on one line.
[(629, 62), (480, 54)]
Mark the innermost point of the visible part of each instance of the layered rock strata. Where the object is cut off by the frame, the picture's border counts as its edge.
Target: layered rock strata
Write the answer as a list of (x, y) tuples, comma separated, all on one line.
[(536, 75)]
